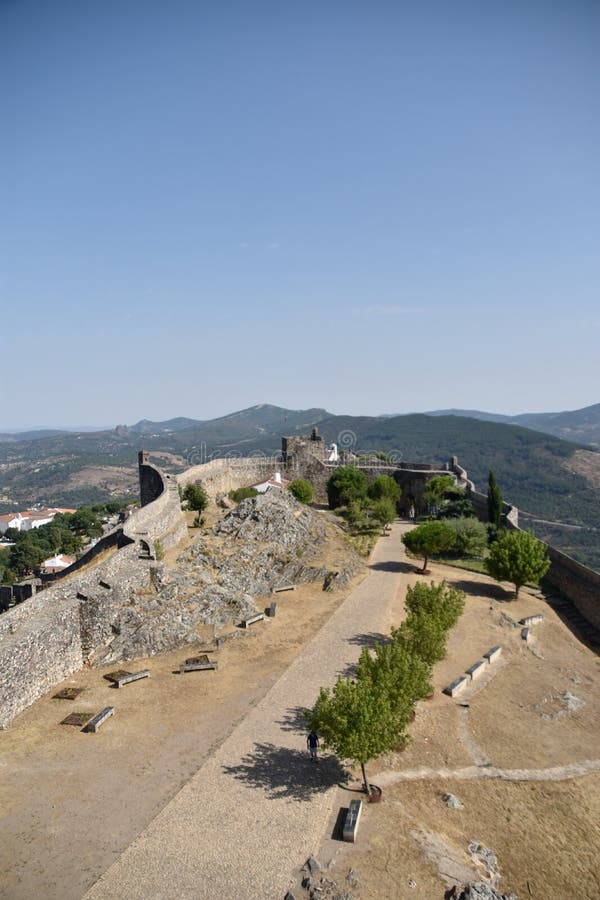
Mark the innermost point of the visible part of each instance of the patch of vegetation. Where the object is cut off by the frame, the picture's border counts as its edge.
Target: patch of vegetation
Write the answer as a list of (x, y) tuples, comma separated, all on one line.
[(242, 494), (302, 490)]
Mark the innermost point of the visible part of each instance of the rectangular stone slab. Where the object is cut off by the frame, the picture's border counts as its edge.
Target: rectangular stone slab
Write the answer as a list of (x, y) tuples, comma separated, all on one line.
[(476, 669), (252, 619), (458, 685), (493, 654), (352, 820), (99, 719), (532, 620), (198, 667), (280, 590), (525, 634), (133, 676)]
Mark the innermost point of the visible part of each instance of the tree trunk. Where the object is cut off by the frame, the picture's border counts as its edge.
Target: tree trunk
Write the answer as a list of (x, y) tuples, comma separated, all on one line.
[(366, 784), (517, 589), (424, 569)]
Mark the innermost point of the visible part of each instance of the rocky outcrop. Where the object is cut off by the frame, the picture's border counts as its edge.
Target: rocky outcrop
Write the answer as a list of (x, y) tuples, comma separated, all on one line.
[(266, 542)]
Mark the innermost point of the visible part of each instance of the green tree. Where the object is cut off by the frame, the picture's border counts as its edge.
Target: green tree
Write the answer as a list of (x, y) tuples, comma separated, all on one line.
[(428, 539), (85, 522), (384, 511), (436, 491), (357, 720), (396, 669), (423, 635), (517, 556), (494, 500), (384, 486), (302, 490), (470, 536), (196, 497), (457, 509), (442, 603), (346, 484), (26, 555)]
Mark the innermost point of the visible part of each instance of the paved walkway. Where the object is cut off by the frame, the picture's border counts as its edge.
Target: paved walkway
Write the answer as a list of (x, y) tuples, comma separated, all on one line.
[(258, 808)]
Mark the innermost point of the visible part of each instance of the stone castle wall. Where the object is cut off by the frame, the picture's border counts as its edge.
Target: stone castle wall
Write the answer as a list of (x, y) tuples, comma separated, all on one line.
[(58, 630), (219, 476), (577, 582)]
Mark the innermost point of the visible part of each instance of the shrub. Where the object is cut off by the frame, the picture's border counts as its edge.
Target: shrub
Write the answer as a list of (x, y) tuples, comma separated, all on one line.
[(470, 536), (346, 484), (242, 494), (442, 603), (384, 486), (302, 490)]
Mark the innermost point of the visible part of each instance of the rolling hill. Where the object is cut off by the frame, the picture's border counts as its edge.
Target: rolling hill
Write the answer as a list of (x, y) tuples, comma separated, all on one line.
[(550, 478)]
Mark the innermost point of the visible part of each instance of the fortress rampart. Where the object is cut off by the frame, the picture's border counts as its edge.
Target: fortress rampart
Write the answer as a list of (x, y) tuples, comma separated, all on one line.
[(58, 630)]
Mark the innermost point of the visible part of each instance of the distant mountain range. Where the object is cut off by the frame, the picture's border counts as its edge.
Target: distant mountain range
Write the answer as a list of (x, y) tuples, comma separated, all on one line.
[(579, 425), (546, 476)]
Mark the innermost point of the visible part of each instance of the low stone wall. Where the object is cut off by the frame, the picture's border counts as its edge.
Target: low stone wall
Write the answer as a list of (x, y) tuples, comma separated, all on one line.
[(219, 476)]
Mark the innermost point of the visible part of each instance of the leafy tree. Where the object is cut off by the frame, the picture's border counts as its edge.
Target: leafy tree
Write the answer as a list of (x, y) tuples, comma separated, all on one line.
[(196, 497), (384, 511), (494, 500), (302, 490), (457, 509), (428, 539), (85, 522), (436, 490), (357, 720), (423, 635), (386, 487), (346, 484), (519, 557), (396, 669), (442, 603), (26, 555), (470, 536)]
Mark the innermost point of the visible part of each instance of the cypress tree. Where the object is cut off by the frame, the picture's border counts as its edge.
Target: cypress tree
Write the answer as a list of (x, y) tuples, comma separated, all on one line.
[(494, 500)]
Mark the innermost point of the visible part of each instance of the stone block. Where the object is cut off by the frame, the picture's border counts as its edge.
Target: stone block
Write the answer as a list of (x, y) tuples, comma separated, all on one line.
[(493, 654), (476, 669), (198, 666), (532, 620), (525, 635), (99, 719), (252, 619), (352, 820), (133, 676), (458, 685)]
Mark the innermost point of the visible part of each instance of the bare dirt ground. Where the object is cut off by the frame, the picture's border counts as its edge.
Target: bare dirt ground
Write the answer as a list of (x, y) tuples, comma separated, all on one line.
[(506, 749), (71, 802)]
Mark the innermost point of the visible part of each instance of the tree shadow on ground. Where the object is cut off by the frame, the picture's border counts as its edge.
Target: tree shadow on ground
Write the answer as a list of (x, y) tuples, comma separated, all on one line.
[(369, 639), (484, 589), (392, 565), (283, 773), (294, 720)]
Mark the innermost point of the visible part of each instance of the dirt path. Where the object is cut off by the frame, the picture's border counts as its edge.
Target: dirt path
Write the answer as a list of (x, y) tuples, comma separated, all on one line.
[(258, 808), (556, 773)]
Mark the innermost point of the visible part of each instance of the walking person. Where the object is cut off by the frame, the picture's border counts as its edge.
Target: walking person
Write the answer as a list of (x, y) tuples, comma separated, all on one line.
[(312, 743)]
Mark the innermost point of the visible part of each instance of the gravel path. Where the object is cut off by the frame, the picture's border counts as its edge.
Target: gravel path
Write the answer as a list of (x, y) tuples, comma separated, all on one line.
[(486, 772), (258, 807)]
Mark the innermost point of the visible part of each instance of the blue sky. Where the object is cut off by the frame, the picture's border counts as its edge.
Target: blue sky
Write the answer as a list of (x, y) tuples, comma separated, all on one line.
[(371, 207)]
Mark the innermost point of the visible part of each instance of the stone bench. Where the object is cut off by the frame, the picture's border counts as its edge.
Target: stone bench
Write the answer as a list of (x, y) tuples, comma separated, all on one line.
[(271, 610), (133, 676), (476, 669), (198, 666), (252, 619), (99, 719), (287, 587), (458, 685), (525, 635), (352, 820), (493, 654), (532, 620)]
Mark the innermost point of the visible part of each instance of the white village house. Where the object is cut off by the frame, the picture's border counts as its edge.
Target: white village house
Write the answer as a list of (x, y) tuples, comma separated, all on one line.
[(275, 482)]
